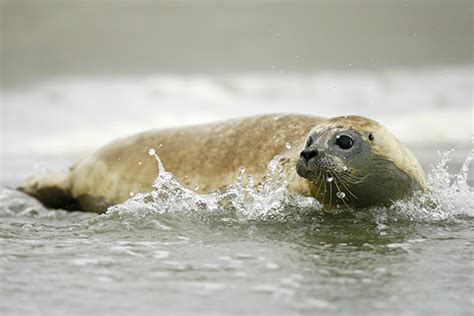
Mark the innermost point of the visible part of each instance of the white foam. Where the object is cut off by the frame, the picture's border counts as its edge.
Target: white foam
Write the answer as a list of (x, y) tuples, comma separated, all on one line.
[(448, 196), (74, 115)]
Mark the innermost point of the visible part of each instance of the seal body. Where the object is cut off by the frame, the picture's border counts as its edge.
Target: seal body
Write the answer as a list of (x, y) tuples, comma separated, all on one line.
[(208, 157)]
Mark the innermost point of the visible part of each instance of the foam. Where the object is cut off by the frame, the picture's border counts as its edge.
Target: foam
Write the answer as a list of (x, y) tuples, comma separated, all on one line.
[(75, 115)]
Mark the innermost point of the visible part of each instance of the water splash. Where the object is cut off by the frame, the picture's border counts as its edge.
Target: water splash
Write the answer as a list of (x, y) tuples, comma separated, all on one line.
[(341, 195), (240, 202), (448, 195)]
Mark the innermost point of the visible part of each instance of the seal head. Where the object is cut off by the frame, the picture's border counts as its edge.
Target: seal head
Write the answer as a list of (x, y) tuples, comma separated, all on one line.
[(355, 161)]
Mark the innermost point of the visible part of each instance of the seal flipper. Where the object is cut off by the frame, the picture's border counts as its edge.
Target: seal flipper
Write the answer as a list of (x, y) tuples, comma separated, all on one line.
[(52, 189)]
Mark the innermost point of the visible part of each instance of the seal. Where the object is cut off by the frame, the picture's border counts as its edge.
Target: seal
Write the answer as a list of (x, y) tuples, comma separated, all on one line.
[(358, 162), (350, 160)]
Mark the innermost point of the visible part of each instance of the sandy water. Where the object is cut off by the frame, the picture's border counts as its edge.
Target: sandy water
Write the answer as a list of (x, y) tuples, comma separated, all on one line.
[(174, 252)]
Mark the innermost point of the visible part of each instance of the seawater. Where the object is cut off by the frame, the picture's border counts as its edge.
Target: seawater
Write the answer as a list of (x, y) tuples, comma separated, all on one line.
[(240, 250)]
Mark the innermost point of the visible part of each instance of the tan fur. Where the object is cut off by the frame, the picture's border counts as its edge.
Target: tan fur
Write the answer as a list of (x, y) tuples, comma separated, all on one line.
[(203, 157)]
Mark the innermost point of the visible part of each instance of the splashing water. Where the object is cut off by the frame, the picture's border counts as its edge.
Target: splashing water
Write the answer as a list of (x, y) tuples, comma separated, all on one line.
[(241, 201), (448, 196)]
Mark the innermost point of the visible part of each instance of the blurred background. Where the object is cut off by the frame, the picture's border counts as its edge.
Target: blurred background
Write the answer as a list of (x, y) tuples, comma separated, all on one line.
[(76, 74)]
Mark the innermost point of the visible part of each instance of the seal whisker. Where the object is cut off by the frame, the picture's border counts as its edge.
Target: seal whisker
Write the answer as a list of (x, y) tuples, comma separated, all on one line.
[(351, 178), (325, 189), (330, 190), (352, 174), (345, 186), (347, 179), (338, 189), (320, 179), (343, 178)]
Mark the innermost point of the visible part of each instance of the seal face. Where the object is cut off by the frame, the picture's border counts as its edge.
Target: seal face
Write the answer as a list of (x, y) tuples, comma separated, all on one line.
[(356, 162)]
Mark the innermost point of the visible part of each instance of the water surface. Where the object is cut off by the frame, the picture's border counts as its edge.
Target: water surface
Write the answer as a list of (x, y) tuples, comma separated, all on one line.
[(241, 251), (237, 251)]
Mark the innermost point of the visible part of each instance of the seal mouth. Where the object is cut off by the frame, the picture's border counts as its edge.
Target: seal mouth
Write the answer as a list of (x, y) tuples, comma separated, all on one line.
[(332, 181), (317, 171), (310, 169)]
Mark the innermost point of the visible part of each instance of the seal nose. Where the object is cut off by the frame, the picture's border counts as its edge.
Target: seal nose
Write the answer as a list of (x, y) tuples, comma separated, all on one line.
[(309, 153)]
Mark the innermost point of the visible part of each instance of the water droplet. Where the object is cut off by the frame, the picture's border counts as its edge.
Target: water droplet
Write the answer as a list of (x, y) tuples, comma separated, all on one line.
[(272, 266), (288, 146), (276, 118), (161, 145), (132, 193), (196, 188), (251, 181), (140, 163), (329, 179), (344, 168), (341, 195), (151, 151)]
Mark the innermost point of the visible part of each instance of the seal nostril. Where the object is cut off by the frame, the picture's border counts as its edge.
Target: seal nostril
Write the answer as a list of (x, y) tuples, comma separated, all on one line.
[(309, 153)]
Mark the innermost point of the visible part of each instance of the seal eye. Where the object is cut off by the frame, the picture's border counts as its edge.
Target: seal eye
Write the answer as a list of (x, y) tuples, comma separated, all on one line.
[(344, 142), (309, 142), (371, 136)]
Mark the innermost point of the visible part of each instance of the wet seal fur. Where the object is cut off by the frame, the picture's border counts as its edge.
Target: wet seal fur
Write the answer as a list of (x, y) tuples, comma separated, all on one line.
[(376, 170)]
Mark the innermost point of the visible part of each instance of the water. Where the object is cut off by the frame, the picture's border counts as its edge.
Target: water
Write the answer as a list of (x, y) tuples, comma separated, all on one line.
[(238, 250), (172, 251)]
